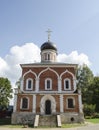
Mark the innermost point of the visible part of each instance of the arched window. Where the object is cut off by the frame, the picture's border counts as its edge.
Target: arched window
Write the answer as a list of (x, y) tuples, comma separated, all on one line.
[(29, 84), (45, 56), (24, 103), (67, 84), (48, 56), (70, 102), (48, 84)]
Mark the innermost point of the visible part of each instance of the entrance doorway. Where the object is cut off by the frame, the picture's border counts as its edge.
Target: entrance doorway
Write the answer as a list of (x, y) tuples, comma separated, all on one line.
[(48, 107)]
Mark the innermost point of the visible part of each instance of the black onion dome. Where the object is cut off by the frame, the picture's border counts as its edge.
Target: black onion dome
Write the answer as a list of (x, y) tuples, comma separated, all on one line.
[(48, 45)]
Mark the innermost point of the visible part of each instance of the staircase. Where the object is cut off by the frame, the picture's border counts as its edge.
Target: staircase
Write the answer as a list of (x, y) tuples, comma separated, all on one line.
[(47, 121)]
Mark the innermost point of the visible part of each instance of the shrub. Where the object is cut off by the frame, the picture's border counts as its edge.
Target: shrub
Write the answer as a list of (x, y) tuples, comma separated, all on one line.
[(89, 109)]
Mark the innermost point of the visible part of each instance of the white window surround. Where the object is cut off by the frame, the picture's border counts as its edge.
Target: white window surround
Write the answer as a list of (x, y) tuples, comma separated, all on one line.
[(22, 103), (73, 102), (47, 56), (69, 83), (27, 81), (46, 87)]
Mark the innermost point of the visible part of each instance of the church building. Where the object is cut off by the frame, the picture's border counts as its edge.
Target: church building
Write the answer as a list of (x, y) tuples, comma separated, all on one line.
[(48, 89)]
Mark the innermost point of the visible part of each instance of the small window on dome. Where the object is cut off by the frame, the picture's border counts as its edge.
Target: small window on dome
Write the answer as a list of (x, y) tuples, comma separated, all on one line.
[(48, 56)]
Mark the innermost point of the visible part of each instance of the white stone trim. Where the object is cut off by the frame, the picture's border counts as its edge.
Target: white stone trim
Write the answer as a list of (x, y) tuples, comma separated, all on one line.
[(21, 84), (46, 84), (48, 68), (58, 64), (42, 104), (74, 79), (69, 83), (61, 103), (73, 102), (27, 80), (49, 92), (59, 85), (30, 71), (34, 104), (37, 85), (22, 102), (80, 102), (15, 103)]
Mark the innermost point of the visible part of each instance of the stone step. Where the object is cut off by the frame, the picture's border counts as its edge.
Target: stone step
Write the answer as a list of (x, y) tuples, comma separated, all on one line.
[(48, 120)]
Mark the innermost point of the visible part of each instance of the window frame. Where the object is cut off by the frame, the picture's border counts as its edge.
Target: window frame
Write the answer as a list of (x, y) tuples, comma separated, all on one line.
[(73, 100), (27, 84), (48, 79), (21, 105), (69, 84)]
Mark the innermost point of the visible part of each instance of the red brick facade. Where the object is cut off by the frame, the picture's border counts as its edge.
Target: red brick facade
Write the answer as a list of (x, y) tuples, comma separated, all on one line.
[(48, 87)]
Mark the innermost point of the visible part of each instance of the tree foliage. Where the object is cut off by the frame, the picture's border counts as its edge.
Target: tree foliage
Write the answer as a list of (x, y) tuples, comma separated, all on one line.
[(5, 91), (94, 88), (84, 78), (89, 110)]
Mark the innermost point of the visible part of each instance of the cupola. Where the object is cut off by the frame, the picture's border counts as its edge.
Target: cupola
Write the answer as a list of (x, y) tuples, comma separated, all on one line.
[(48, 51)]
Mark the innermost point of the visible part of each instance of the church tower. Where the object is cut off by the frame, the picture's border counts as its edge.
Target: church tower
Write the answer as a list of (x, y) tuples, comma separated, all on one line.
[(48, 50)]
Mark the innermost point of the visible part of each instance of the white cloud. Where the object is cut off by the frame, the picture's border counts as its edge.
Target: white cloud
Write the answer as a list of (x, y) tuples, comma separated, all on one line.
[(30, 53), (10, 65), (74, 58)]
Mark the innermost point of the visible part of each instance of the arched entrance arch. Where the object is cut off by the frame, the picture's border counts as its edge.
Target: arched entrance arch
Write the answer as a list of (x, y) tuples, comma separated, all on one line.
[(48, 105)]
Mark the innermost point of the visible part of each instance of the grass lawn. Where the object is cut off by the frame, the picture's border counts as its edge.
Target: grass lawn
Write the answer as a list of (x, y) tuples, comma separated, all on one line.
[(94, 120)]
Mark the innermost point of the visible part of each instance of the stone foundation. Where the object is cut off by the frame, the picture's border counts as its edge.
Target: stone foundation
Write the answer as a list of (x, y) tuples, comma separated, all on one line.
[(29, 117), (72, 118), (23, 118)]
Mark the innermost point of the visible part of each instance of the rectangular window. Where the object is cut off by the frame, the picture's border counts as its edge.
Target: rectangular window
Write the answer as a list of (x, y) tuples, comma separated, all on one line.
[(70, 103), (24, 103)]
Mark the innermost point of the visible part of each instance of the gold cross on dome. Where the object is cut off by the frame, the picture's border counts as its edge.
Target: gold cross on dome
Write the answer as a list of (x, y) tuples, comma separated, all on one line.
[(49, 34)]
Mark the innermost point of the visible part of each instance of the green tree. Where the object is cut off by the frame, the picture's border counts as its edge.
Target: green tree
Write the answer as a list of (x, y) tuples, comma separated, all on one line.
[(5, 92), (94, 87), (85, 78)]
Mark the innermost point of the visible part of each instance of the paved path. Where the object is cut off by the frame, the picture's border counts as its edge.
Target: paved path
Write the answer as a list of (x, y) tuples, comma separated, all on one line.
[(87, 127)]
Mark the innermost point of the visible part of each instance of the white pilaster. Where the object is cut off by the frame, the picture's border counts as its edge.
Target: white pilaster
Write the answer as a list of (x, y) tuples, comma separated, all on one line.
[(74, 82), (34, 104), (37, 85), (15, 103), (59, 85), (21, 84), (80, 101), (61, 103)]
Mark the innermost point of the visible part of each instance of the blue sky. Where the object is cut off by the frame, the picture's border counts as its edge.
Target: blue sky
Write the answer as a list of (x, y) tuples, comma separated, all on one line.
[(75, 26)]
